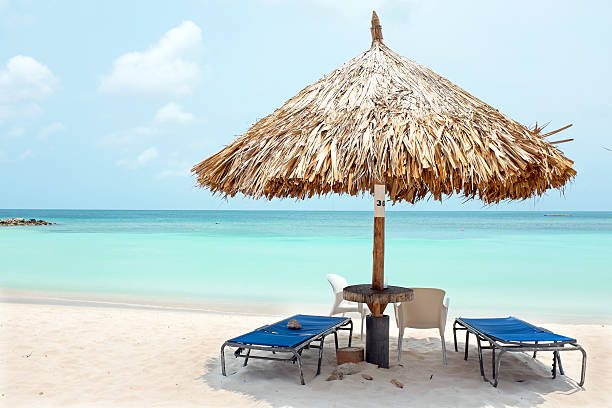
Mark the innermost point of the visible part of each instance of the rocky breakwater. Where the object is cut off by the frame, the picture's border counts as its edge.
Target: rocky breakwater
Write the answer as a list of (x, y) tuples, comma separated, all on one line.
[(23, 221)]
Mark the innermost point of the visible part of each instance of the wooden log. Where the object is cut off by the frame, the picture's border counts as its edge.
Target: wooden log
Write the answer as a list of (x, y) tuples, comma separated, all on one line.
[(377, 309), (378, 268), (349, 355), (378, 252)]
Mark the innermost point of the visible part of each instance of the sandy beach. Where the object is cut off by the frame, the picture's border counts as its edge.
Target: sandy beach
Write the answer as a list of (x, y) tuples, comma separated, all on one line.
[(67, 355)]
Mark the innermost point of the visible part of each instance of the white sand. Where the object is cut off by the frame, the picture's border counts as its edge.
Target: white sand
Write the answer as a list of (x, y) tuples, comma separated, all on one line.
[(58, 355)]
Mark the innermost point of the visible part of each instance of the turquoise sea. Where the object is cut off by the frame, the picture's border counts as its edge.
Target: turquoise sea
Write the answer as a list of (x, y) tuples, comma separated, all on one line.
[(490, 261)]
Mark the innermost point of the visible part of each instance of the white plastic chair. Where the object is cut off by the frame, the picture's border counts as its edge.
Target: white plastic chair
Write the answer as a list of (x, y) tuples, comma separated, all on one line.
[(425, 311), (338, 283)]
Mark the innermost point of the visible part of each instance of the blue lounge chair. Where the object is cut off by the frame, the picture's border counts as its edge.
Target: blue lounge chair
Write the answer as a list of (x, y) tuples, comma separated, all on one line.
[(510, 334), (277, 338)]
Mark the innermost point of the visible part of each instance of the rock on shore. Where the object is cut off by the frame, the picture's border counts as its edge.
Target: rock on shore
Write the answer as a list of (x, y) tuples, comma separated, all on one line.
[(23, 221)]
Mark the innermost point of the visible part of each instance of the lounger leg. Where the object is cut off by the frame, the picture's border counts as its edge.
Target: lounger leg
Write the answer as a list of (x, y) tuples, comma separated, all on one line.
[(455, 335), (351, 332), (560, 365), (493, 362), (496, 365), (583, 372), (223, 360), (443, 349), (320, 355), (496, 372), (299, 361), (336, 339), (482, 373), (554, 367), (535, 352), (467, 341), (246, 359)]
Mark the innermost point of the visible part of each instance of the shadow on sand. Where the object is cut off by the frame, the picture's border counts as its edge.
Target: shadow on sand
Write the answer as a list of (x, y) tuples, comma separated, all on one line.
[(523, 380)]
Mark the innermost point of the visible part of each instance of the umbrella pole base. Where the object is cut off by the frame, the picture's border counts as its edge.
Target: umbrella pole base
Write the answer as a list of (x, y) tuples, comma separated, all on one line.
[(377, 340)]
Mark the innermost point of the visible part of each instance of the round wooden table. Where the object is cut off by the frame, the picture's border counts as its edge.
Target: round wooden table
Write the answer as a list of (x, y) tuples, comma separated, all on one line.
[(377, 300), (377, 324)]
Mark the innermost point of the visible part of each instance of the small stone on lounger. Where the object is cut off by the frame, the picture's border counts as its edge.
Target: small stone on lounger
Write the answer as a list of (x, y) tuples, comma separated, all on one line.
[(367, 377), (397, 383), (294, 324)]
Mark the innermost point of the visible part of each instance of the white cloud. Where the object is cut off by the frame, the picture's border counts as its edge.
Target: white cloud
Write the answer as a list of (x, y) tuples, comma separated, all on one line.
[(15, 133), (50, 129), (150, 154), (173, 113), (25, 79), (25, 154), (176, 167), (165, 68), (22, 110), (173, 173), (143, 158), (126, 137), (14, 158)]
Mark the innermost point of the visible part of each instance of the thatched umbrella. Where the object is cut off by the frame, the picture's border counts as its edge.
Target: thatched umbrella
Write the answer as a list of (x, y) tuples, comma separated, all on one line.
[(382, 123)]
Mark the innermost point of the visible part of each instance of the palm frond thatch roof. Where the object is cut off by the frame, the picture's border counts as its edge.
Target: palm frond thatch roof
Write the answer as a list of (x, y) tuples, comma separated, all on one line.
[(383, 117)]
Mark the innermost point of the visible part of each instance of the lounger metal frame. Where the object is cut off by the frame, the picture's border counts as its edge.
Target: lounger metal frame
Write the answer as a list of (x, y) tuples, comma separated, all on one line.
[(296, 350), (504, 346)]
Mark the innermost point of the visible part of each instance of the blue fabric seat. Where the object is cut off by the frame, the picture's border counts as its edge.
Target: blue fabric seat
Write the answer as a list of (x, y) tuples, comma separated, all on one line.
[(278, 334), (511, 329)]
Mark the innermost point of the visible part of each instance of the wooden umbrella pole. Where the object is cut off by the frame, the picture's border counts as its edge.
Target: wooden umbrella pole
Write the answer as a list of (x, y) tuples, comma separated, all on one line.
[(378, 265)]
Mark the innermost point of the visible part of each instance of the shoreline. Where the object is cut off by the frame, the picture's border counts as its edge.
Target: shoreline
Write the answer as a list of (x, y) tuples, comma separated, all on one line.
[(150, 302), (251, 307)]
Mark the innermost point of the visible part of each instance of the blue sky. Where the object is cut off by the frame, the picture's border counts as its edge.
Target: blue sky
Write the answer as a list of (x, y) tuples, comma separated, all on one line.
[(109, 104)]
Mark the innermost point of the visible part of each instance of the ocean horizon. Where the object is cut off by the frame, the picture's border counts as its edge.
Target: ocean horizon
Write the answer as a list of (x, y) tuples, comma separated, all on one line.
[(487, 261)]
